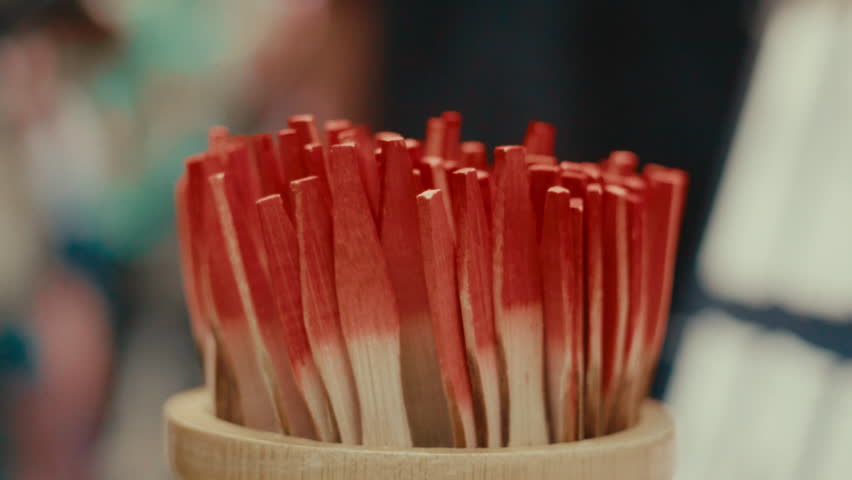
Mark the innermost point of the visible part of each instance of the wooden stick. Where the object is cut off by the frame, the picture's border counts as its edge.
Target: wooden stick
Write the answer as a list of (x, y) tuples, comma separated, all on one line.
[(237, 221), (415, 151), (433, 143), (305, 127), (367, 167), (319, 301), (270, 169), (667, 199), (436, 178), (284, 275), (616, 262), (452, 135), (400, 235), (517, 300), (258, 396), (216, 136), (560, 295), (440, 272), (333, 129), (290, 153), (475, 283), (540, 138), (474, 154), (488, 189), (542, 177), (593, 322), (622, 162), (636, 352), (369, 314)]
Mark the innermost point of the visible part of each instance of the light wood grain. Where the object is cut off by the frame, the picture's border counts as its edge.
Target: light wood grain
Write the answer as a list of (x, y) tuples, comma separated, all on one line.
[(200, 446)]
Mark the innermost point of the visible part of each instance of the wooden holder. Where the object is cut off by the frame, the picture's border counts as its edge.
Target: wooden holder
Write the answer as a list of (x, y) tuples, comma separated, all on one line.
[(202, 447)]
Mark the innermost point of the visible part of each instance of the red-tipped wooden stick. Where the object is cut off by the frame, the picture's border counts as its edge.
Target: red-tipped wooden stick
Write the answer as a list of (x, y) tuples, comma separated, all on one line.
[(440, 272), (452, 135), (400, 236), (473, 154), (562, 319), (216, 136), (475, 283), (575, 181), (290, 154), (283, 251), (433, 143), (622, 162), (367, 167), (593, 322), (517, 301), (368, 310), (317, 165), (270, 169), (319, 304), (616, 261), (540, 138), (333, 129), (666, 201), (631, 396), (415, 151), (305, 127), (542, 177), (436, 178), (533, 159), (238, 220), (488, 189), (257, 393)]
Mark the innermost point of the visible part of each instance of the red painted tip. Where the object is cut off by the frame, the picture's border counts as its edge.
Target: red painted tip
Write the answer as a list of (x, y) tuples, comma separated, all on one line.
[(216, 136), (515, 255), (365, 293), (592, 170), (290, 155), (575, 181), (473, 154), (433, 145), (440, 272), (666, 197), (400, 233), (283, 250), (542, 177), (269, 167), (622, 161), (538, 159), (418, 181), (474, 254), (387, 136), (368, 168), (316, 259), (333, 129), (452, 135), (415, 150), (540, 138), (305, 127), (317, 165)]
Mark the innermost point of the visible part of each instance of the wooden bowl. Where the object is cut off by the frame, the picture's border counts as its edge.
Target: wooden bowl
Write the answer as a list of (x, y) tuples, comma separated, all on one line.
[(202, 447)]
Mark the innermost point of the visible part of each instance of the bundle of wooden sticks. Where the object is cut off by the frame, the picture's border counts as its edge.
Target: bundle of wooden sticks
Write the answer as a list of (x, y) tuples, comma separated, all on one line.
[(374, 289)]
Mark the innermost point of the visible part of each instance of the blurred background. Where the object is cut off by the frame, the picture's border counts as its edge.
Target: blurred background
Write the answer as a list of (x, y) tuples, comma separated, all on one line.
[(100, 101)]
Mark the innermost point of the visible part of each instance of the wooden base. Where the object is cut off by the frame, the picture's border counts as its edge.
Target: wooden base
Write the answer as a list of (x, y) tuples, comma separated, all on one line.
[(200, 446)]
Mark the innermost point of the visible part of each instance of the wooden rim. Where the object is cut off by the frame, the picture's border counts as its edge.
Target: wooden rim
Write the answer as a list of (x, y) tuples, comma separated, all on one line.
[(200, 446)]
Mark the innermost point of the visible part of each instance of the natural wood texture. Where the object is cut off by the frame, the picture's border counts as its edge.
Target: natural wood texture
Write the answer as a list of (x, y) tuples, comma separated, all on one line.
[(202, 447)]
